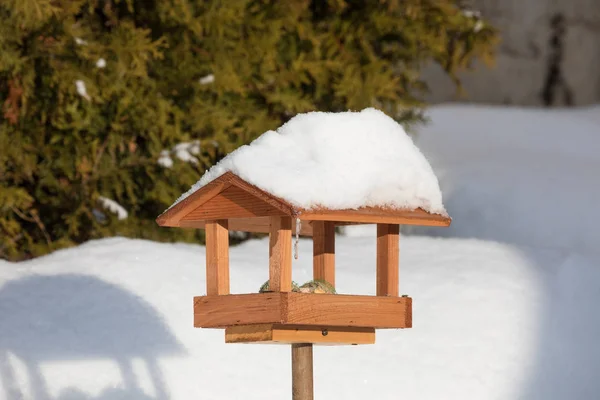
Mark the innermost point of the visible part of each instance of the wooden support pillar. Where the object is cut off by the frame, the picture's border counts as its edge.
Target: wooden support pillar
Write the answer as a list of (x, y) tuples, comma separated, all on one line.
[(302, 371), (324, 251), (280, 254), (388, 252), (217, 257)]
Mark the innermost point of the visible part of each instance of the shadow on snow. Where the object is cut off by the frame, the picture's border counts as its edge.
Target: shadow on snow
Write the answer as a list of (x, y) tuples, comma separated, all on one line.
[(74, 317)]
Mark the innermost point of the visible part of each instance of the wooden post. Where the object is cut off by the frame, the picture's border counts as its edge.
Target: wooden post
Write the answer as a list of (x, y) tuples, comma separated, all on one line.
[(280, 254), (324, 269), (388, 238), (302, 371), (217, 257), (324, 251)]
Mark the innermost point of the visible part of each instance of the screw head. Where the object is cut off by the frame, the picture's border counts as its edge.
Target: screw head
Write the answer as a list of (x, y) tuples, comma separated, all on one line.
[(324, 332)]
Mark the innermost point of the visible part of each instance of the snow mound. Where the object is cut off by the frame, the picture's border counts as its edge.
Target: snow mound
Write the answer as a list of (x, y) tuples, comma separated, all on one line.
[(336, 161)]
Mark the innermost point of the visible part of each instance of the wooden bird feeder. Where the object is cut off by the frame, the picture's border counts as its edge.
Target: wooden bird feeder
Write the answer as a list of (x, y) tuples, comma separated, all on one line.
[(280, 315)]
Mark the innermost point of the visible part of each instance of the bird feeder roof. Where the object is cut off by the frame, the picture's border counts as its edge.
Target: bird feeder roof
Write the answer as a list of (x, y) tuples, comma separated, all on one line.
[(249, 208), (348, 167)]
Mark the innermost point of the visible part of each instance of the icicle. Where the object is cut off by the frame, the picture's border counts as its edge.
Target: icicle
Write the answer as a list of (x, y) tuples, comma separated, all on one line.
[(298, 225)]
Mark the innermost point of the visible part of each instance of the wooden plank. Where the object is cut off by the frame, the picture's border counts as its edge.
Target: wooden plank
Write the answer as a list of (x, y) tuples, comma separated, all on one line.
[(289, 334), (302, 371), (346, 310), (277, 202), (280, 254), (324, 251), (302, 309), (237, 309), (408, 316), (373, 215), (388, 237), (217, 258), (232, 202), (173, 215), (330, 335), (259, 333), (256, 225)]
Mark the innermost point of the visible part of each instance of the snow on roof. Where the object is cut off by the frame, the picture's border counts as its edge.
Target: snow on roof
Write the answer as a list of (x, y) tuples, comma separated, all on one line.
[(336, 161)]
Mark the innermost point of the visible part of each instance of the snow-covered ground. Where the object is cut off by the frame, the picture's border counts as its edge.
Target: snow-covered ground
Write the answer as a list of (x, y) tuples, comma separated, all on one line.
[(528, 177), (504, 304)]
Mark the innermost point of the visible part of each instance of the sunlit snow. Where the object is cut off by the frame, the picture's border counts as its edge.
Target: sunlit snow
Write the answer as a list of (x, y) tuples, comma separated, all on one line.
[(336, 161)]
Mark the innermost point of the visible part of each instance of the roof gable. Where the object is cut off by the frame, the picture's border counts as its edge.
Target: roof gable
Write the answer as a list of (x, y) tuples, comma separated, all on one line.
[(249, 207), (226, 197), (233, 202)]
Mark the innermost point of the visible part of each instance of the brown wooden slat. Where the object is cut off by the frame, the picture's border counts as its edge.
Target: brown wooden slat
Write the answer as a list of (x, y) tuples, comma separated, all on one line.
[(303, 309), (388, 237), (173, 215), (324, 251), (217, 257), (330, 335), (249, 333), (256, 225), (232, 202), (237, 309), (346, 310), (408, 316), (323, 334), (280, 254), (278, 203), (373, 215), (289, 334)]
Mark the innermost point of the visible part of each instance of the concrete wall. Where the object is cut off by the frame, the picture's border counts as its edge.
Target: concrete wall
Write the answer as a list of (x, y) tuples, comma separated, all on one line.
[(549, 55)]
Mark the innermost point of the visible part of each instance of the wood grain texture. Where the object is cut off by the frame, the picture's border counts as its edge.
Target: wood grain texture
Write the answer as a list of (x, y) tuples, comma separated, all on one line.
[(376, 215), (327, 335), (256, 225), (289, 334), (173, 215), (280, 254), (259, 333), (302, 309), (324, 251), (277, 202), (237, 309), (388, 253), (346, 310), (232, 202), (302, 371), (408, 316), (217, 258)]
